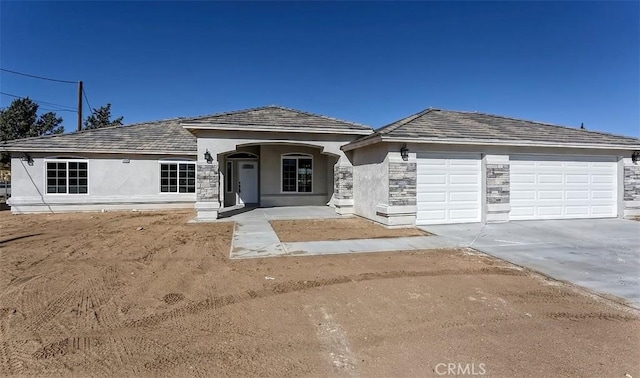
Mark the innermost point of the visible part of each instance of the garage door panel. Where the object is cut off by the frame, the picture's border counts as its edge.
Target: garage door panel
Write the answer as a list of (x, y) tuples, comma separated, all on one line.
[(563, 187), (448, 188), (522, 195), (603, 195), (433, 197), (431, 215), (463, 196), (462, 215), (549, 163), (577, 194), (602, 179), (550, 179), (468, 178), (573, 178), (550, 195), (602, 210), (546, 210), (577, 210), (523, 179)]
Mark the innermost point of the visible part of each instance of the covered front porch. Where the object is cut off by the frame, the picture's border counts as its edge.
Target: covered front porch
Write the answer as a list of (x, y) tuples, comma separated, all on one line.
[(275, 175), (272, 157)]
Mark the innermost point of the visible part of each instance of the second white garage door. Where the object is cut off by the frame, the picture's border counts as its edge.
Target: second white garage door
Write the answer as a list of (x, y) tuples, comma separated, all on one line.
[(556, 187), (448, 189)]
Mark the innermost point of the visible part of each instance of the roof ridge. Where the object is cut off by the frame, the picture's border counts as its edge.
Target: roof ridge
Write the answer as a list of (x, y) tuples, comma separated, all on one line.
[(540, 123), (397, 124), (319, 115), (228, 112)]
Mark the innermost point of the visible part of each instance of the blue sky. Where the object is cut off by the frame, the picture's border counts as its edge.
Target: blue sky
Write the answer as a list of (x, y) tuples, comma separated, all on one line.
[(369, 62)]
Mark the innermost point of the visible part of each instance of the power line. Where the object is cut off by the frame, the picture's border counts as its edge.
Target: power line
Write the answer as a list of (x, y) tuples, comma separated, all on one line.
[(86, 99), (38, 77), (58, 110), (69, 108)]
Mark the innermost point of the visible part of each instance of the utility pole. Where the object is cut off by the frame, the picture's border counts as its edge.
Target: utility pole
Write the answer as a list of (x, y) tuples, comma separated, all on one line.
[(80, 105)]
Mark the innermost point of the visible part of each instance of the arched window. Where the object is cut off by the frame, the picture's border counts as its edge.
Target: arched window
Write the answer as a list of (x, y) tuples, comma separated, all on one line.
[(297, 173)]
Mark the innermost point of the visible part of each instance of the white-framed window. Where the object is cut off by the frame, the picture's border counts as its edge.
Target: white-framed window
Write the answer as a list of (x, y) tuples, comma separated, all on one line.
[(66, 176), (177, 177), (228, 179), (297, 173)]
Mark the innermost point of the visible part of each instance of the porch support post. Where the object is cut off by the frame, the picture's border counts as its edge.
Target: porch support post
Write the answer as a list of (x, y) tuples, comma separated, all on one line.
[(207, 190), (343, 187), (630, 178), (496, 188), (400, 209)]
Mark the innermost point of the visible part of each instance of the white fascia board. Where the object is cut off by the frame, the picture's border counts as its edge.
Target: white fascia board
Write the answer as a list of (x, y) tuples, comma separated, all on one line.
[(312, 130), (489, 142), (96, 151)]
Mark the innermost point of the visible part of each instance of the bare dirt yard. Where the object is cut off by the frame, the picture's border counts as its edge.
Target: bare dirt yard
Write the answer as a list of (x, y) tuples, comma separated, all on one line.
[(304, 230), (92, 294)]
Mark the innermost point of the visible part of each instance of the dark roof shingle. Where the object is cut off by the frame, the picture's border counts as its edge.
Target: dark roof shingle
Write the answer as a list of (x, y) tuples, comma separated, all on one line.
[(277, 117), (165, 136), (442, 125), (169, 137)]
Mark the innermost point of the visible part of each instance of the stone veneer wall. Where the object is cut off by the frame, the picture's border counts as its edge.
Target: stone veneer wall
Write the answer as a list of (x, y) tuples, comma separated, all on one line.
[(343, 182), (207, 182), (632, 183), (402, 183), (498, 183)]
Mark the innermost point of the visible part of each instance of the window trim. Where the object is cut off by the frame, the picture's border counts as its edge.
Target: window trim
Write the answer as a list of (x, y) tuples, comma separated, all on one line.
[(65, 160), (296, 156), (177, 162)]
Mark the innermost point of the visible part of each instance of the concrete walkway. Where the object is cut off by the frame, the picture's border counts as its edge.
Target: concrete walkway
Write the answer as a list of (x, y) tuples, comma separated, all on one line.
[(254, 237)]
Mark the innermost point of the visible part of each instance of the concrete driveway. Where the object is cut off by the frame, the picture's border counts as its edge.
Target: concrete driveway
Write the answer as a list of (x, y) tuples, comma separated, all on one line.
[(602, 255)]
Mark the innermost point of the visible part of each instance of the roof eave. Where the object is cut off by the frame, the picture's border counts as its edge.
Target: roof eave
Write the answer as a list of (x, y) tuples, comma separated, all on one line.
[(485, 142), (95, 151), (237, 127)]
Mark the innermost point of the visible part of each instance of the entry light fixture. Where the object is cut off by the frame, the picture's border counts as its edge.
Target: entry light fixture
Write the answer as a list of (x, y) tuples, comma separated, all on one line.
[(208, 157), (404, 152), (28, 159), (635, 156)]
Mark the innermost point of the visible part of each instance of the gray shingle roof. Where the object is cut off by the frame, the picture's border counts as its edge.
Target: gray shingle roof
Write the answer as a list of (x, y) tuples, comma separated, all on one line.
[(159, 137), (169, 137), (444, 125), (278, 117)]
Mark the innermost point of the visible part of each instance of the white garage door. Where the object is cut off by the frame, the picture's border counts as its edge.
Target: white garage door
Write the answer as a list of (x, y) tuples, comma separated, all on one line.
[(448, 189), (556, 187)]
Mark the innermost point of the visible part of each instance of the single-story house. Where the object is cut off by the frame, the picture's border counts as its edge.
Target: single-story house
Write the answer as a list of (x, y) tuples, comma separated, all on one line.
[(433, 167)]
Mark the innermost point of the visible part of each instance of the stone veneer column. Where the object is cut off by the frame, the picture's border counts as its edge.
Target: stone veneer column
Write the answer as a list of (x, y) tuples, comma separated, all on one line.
[(343, 188), (401, 207), (207, 193), (497, 188), (631, 187)]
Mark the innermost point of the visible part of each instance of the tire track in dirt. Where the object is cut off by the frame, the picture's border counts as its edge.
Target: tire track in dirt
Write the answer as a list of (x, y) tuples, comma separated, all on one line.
[(294, 286), (591, 316), (50, 311)]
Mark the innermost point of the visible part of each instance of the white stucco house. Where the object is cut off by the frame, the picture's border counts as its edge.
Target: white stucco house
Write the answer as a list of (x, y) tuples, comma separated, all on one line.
[(433, 167)]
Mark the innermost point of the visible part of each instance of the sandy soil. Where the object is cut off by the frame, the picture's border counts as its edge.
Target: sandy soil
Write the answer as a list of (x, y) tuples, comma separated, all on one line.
[(289, 231), (90, 294)]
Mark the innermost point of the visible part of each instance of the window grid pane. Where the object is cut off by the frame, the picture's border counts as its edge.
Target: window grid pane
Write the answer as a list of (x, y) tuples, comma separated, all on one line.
[(177, 178), (66, 177), (289, 175), (305, 173)]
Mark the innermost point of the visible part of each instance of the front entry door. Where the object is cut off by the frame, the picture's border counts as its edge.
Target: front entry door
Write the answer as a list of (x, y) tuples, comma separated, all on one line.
[(247, 182)]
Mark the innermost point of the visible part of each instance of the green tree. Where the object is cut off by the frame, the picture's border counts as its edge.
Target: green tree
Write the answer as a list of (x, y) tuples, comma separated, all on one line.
[(101, 118), (20, 120)]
